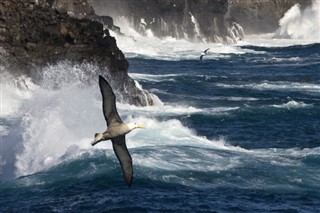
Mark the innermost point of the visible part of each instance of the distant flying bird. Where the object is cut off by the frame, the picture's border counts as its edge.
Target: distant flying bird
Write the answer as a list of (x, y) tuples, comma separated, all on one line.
[(205, 52), (116, 130)]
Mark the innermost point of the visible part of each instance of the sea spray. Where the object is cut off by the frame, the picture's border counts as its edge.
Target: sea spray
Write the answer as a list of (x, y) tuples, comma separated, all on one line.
[(40, 122), (170, 49), (13, 91), (57, 120), (191, 155), (301, 24)]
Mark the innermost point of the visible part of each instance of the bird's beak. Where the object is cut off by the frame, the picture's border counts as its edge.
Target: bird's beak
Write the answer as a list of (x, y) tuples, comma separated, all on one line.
[(141, 127)]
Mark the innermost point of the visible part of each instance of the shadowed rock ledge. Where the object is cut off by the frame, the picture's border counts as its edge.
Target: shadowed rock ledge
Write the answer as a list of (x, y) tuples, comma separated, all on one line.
[(34, 34), (194, 20)]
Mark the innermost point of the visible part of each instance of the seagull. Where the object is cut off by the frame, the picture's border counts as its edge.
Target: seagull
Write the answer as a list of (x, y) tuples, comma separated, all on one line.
[(116, 130), (205, 52)]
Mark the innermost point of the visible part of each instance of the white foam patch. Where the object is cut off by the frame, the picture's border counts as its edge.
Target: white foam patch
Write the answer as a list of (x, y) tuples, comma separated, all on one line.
[(168, 110), (154, 78), (59, 125), (293, 105), (13, 92), (134, 44), (282, 85), (297, 27), (53, 121), (172, 146), (64, 119), (301, 24)]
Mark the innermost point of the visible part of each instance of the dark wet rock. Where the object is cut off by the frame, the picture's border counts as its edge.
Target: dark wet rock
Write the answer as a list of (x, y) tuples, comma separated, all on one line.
[(74, 8), (34, 35), (107, 22)]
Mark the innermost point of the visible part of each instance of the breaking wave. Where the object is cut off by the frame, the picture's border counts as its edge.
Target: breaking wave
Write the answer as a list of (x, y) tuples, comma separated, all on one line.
[(301, 24)]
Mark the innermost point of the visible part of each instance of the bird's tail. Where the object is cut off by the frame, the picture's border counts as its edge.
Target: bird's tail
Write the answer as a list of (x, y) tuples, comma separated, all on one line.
[(97, 138)]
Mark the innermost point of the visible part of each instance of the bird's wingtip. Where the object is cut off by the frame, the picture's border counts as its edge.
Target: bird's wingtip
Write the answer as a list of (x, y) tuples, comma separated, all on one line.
[(129, 184)]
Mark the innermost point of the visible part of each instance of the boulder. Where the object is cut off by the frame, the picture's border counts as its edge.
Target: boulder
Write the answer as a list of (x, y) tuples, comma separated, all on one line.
[(34, 35)]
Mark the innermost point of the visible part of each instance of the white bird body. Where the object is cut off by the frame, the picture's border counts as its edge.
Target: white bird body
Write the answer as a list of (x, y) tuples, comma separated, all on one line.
[(114, 130)]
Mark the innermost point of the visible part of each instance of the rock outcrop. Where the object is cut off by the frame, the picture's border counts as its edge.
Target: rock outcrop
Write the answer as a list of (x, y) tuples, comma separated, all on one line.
[(261, 16), (202, 20), (79, 9), (33, 35)]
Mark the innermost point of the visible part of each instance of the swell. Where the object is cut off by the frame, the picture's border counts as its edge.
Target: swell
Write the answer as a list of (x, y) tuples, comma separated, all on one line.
[(184, 165)]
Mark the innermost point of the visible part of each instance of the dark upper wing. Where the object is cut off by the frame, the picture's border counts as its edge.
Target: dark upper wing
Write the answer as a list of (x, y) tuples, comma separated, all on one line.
[(108, 102), (123, 155), (206, 50)]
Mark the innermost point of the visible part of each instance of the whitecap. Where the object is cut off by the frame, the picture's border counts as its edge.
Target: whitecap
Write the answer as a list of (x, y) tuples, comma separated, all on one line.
[(154, 78), (293, 105), (281, 85)]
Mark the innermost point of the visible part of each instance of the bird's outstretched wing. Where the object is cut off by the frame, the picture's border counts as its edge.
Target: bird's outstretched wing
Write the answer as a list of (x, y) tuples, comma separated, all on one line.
[(206, 51), (123, 155), (108, 102)]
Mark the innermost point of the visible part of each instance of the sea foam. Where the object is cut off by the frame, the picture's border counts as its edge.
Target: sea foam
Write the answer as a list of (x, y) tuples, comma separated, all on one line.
[(301, 24)]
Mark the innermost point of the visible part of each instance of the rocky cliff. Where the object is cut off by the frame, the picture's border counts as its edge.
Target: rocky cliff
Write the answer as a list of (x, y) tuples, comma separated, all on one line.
[(261, 16), (199, 20), (38, 33), (202, 20)]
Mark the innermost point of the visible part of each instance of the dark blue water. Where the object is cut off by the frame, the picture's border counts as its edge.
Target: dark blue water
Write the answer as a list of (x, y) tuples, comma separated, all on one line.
[(252, 144)]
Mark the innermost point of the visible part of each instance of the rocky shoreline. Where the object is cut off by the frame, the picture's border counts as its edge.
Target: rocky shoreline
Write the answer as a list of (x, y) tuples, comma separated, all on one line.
[(193, 20), (222, 21), (34, 35)]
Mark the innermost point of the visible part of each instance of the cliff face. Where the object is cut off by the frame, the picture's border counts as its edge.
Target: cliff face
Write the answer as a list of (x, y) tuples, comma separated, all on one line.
[(200, 20), (33, 35), (261, 16), (189, 19), (80, 8)]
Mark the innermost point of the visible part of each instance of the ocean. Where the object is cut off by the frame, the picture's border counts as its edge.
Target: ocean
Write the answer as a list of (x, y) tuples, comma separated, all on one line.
[(238, 131)]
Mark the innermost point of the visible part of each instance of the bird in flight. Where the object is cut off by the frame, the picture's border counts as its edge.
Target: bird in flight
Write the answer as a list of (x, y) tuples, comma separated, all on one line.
[(205, 52), (116, 130)]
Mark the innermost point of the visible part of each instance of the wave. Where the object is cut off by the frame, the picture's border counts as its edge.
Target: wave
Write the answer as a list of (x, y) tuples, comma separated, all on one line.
[(293, 105), (154, 78), (56, 122), (301, 24), (56, 127), (135, 45), (148, 46), (14, 90), (297, 27), (173, 110), (206, 163), (282, 85)]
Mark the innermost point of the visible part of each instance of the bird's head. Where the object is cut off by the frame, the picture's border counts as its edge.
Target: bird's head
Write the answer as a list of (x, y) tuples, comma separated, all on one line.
[(135, 126)]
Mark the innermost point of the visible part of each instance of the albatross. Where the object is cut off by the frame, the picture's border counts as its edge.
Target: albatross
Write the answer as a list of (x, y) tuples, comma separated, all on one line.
[(116, 130), (205, 52)]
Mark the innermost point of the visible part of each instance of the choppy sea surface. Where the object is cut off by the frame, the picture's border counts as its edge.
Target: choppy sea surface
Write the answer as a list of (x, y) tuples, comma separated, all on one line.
[(238, 131)]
